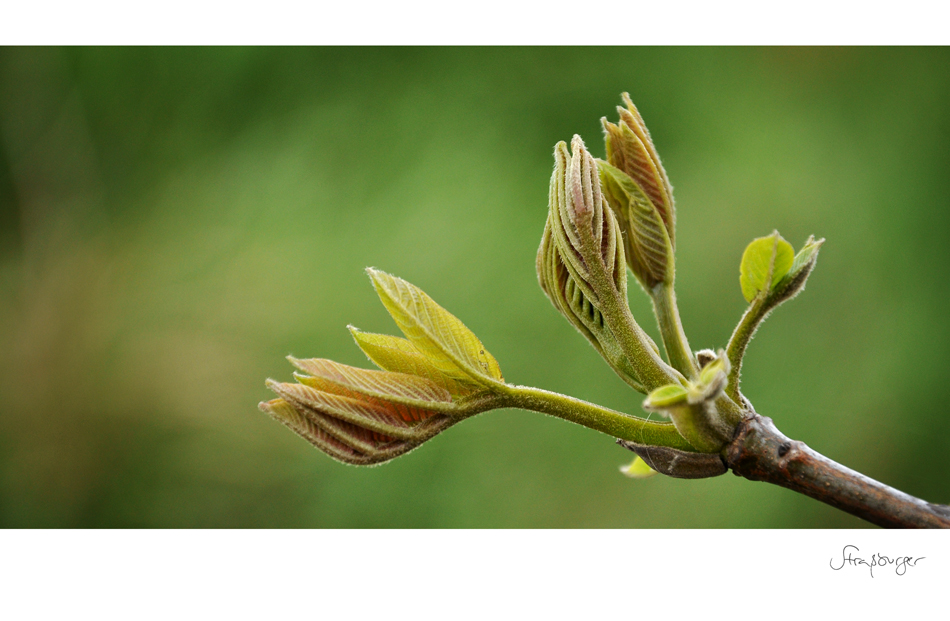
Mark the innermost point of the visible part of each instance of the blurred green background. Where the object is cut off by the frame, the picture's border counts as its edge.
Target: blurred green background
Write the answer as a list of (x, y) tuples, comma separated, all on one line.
[(173, 222)]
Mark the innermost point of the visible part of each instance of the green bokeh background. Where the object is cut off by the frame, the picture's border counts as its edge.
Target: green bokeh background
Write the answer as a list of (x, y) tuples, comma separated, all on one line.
[(173, 222)]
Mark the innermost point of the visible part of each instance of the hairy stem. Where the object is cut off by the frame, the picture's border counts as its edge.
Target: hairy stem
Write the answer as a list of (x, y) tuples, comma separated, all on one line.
[(760, 452), (652, 371), (738, 342), (602, 419), (671, 329)]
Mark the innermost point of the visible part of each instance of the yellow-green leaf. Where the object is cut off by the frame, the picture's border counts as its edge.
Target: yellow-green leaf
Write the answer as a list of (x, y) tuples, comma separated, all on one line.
[(637, 469), (665, 396), (392, 353), (764, 263), (444, 340)]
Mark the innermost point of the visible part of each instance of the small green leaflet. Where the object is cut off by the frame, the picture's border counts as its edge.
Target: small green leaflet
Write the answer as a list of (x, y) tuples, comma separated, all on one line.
[(665, 396), (765, 261)]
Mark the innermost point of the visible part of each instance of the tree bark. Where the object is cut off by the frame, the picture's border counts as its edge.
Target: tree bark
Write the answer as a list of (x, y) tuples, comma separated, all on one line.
[(760, 452)]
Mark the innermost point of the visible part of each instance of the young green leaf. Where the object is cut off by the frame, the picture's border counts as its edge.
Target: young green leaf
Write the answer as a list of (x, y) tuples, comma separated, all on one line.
[(665, 397), (788, 286), (392, 353), (444, 340), (764, 263)]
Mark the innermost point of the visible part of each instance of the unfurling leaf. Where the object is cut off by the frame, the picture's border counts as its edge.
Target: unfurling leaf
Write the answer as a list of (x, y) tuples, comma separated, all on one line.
[(690, 406), (647, 244), (345, 441), (712, 380), (392, 353), (439, 376), (637, 469), (794, 281), (438, 335), (630, 149), (358, 416), (764, 263)]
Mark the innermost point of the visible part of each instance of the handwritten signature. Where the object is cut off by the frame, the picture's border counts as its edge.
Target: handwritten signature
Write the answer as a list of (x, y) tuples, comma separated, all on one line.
[(900, 563)]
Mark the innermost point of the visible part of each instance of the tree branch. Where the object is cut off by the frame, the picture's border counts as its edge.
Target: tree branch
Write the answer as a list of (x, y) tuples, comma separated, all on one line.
[(760, 452)]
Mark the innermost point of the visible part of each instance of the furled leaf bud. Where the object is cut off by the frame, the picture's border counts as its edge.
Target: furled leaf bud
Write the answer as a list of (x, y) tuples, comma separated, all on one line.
[(583, 227), (631, 150), (647, 245), (581, 265), (570, 300)]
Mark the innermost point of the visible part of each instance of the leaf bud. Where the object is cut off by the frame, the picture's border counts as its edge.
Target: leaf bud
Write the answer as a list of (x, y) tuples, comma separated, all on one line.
[(677, 463), (583, 227), (630, 149)]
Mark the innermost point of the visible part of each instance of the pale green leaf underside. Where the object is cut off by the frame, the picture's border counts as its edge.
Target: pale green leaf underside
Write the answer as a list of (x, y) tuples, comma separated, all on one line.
[(757, 264)]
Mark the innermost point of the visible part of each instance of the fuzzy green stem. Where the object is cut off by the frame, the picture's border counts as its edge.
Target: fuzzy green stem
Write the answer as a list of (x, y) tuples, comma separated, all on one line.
[(739, 341), (596, 417), (671, 329), (652, 371)]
